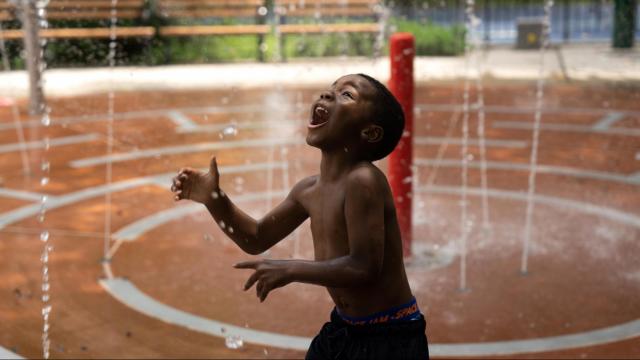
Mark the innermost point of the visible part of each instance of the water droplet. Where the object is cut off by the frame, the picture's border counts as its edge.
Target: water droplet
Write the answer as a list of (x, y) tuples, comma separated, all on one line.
[(44, 236), (45, 297), (222, 224), (266, 352), (45, 165), (44, 181), (262, 11), (228, 131), (407, 180), (230, 230), (215, 195), (264, 47), (46, 286), (46, 120), (233, 342)]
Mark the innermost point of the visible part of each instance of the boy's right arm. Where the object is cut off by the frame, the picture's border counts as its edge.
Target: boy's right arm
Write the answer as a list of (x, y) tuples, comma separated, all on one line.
[(252, 236)]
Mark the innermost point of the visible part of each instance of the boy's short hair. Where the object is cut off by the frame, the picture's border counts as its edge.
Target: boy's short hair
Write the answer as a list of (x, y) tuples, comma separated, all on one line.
[(388, 114)]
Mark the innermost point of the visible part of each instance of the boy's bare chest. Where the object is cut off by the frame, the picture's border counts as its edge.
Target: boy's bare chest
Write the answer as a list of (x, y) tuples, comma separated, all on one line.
[(325, 205)]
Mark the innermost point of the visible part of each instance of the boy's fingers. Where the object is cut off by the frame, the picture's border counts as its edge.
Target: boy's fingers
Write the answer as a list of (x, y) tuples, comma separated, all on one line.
[(252, 279), (264, 294), (213, 167), (247, 265)]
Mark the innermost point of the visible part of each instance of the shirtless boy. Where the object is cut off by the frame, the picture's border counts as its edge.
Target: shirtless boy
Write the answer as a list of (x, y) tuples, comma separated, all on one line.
[(356, 238)]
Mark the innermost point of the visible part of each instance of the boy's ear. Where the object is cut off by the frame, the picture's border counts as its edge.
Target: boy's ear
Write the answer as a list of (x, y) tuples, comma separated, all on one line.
[(372, 133)]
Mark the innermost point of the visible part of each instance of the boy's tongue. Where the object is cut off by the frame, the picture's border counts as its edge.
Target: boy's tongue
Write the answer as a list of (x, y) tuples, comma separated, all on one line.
[(320, 115)]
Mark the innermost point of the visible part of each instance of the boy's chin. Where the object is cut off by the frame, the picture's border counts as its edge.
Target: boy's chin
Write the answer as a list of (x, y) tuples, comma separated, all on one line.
[(314, 141)]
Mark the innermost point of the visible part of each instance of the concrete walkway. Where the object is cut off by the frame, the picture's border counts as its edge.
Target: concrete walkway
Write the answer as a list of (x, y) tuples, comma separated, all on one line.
[(579, 62)]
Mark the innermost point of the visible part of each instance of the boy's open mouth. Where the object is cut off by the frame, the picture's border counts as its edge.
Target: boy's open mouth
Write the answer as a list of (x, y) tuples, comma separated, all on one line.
[(319, 117)]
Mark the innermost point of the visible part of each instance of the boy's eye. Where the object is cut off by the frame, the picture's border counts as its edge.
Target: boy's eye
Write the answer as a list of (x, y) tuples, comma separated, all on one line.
[(347, 94)]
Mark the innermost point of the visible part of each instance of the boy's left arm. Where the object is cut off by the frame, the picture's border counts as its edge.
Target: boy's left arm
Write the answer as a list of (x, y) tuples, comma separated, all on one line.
[(364, 213)]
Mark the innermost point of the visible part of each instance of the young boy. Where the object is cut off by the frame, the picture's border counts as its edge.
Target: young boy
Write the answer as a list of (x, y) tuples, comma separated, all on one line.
[(356, 239)]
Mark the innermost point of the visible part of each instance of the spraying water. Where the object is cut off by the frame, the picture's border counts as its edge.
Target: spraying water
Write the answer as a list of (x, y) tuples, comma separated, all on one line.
[(45, 171), (464, 221), (383, 18), (475, 35), (110, 113), (546, 29)]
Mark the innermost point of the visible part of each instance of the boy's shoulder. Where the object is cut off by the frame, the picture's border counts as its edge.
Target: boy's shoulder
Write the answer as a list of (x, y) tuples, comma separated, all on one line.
[(367, 175), (303, 185)]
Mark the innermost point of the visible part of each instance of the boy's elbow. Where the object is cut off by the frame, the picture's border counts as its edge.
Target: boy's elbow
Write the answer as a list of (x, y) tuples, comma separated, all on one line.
[(253, 251), (250, 247)]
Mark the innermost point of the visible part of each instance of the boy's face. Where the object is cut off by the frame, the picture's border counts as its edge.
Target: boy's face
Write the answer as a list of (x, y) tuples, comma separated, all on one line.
[(340, 113)]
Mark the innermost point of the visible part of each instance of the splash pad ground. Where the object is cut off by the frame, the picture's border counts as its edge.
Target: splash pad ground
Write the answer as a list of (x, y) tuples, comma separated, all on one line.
[(175, 294)]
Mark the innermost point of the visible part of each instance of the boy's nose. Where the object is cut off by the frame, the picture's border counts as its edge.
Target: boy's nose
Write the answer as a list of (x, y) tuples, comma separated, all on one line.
[(326, 95)]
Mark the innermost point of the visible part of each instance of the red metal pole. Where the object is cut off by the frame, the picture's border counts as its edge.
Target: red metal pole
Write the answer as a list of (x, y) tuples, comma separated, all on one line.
[(401, 159)]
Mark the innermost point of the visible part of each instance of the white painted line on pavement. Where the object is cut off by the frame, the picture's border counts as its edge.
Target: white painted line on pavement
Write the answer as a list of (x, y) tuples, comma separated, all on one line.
[(181, 120), (608, 120), (182, 149), (53, 142), (20, 194), (6, 354), (430, 140), (631, 179), (526, 125), (127, 293)]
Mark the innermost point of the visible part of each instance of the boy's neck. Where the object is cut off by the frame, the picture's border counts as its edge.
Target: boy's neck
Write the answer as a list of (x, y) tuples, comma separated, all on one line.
[(336, 163)]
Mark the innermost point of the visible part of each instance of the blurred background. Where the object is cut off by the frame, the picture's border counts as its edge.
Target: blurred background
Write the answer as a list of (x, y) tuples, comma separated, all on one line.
[(522, 192)]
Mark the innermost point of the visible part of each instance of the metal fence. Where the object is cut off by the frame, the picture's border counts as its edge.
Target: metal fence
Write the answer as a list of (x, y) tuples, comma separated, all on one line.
[(571, 20)]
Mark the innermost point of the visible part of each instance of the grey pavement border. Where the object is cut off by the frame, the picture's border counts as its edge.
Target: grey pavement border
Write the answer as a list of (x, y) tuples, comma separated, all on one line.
[(582, 62)]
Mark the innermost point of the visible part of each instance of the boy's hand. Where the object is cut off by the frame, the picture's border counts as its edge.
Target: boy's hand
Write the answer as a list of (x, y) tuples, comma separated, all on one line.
[(270, 275), (195, 185)]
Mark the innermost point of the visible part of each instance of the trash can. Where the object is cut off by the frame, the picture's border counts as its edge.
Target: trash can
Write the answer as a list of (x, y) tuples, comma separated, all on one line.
[(530, 32)]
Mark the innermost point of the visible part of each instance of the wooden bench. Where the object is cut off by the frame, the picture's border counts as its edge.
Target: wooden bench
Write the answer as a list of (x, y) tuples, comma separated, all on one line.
[(65, 11), (327, 17), (211, 17)]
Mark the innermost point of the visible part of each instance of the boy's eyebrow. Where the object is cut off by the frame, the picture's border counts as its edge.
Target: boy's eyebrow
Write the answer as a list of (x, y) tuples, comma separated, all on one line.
[(349, 82)]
